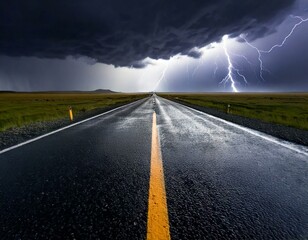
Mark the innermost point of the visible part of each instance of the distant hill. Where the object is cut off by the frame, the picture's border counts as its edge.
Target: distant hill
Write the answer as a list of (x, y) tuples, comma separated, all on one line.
[(103, 91), (7, 92)]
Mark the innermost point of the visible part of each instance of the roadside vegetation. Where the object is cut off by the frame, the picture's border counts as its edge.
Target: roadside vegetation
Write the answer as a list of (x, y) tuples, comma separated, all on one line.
[(20, 109), (289, 109)]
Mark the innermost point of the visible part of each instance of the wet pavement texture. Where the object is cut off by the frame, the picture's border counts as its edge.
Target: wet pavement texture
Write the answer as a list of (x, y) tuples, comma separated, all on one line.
[(91, 181), (225, 183), (86, 182)]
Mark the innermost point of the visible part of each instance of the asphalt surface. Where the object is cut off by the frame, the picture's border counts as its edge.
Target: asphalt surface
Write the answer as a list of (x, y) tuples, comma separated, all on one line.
[(91, 181)]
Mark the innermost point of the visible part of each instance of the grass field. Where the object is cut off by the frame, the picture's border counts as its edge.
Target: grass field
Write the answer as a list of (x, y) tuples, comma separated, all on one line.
[(19, 109), (290, 109)]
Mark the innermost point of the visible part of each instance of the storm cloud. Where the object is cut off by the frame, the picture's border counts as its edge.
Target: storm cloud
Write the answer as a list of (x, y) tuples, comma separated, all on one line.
[(124, 32)]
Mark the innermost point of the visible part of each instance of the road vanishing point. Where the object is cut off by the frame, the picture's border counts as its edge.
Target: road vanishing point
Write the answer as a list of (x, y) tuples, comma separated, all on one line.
[(154, 169)]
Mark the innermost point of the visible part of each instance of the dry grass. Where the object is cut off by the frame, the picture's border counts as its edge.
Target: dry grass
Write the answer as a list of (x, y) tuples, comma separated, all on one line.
[(19, 109), (290, 109)]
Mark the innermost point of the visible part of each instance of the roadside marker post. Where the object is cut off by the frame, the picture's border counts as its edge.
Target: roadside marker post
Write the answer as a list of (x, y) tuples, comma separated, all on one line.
[(71, 113), (228, 108)]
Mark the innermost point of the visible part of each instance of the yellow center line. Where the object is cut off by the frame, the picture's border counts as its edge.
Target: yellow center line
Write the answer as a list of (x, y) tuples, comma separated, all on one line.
[(158, 223)]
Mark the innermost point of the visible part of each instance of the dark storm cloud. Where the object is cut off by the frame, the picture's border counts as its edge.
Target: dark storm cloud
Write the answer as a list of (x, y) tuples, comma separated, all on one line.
[(123, 32), (194, 53), (139, 64)]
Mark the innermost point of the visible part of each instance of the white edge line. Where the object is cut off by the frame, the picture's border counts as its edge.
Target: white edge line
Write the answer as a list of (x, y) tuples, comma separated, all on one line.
[(66, 127), (265, 136)]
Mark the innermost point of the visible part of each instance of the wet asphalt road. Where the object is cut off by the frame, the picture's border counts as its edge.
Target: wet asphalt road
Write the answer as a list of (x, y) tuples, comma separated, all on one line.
[(91, 181)]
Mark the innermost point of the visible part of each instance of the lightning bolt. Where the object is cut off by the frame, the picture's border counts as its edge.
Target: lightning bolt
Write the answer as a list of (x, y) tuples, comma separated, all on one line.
[(241, 75), (234, 72), (162, 76), (259, 51), (259, 57), (302, 20), (229, 76), (244, 57), (251, 65)]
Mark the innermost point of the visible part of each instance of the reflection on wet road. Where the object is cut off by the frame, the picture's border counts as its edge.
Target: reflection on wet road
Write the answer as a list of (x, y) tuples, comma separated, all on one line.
[(91, 181)]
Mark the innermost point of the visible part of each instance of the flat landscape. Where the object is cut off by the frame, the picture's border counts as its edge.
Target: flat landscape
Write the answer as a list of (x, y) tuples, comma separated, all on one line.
[(289, 109), (197, 176), (20, 109), (154, 120)]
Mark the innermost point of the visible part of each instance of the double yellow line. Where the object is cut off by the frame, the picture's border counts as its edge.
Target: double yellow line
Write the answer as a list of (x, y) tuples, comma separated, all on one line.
[(158, 223)]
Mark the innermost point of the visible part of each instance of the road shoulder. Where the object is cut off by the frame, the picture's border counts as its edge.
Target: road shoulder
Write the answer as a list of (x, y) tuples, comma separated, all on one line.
[(14, 136), (283, 132)]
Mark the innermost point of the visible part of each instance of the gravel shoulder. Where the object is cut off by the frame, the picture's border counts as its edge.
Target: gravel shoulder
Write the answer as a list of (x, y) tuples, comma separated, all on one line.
[(283, 132), (18, 135)]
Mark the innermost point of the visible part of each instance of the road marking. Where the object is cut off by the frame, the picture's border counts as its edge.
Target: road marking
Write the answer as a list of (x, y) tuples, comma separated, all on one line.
[(69, 126), (294, 147), (158, 223)]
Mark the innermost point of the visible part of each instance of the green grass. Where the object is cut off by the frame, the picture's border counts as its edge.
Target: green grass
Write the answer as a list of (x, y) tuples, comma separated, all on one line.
[(290, 109), (19, 109)]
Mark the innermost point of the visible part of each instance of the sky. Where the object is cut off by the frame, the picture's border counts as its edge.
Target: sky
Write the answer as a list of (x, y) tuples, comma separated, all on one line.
[(157, 45)]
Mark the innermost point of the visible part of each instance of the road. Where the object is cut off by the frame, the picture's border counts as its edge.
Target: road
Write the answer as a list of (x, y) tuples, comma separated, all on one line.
[(91, 181)]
